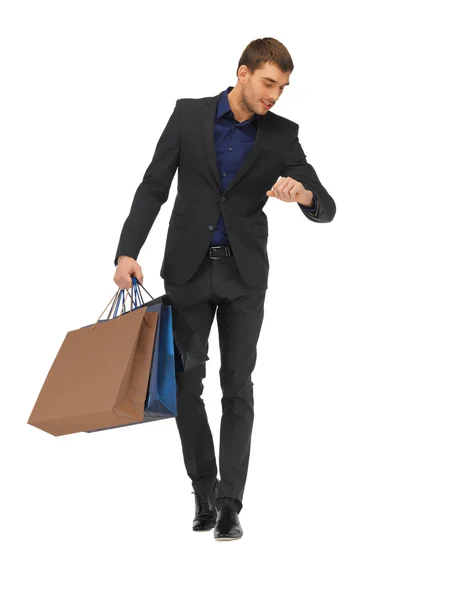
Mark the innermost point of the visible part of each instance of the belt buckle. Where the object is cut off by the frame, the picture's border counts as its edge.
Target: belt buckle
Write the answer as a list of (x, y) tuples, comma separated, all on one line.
[(213, 257)]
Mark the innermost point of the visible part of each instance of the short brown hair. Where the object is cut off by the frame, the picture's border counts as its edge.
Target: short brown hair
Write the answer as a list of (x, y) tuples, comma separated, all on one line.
[(266, 50)]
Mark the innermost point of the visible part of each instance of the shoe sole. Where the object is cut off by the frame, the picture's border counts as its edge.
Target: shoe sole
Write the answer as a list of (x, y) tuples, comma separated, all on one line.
[(226, 539), (206, 528)]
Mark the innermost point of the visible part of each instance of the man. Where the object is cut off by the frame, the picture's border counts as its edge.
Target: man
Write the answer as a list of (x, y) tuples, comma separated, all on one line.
[(229, 150)]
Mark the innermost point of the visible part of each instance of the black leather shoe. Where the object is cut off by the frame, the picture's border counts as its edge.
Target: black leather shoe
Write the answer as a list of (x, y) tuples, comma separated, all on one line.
[(228, 526), (205, 510)]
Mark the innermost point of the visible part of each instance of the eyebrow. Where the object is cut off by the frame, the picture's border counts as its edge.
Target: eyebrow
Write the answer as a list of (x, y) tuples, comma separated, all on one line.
[(273, 80)]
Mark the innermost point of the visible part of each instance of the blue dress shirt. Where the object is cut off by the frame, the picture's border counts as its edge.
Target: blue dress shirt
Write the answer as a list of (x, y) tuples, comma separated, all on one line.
[(233, 141)]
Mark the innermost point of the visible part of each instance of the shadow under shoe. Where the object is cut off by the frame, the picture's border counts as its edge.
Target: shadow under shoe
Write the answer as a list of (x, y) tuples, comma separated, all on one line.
[(205, 510)]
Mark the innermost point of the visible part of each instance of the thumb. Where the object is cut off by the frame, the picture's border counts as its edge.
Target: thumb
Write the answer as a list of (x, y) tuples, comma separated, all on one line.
[(139, 275), (269, 193)]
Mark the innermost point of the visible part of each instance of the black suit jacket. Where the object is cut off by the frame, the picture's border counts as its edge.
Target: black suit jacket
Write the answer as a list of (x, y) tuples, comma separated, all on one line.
[(187, 143)]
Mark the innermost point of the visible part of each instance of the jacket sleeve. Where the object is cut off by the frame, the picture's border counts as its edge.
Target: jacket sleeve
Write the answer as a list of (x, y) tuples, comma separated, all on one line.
[(153, 190), (297, 167), (312, 208)]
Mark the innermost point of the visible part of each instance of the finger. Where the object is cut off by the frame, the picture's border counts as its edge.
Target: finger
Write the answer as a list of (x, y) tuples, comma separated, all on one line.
[(280, 186), (294, 191), (276, 185), (278, 189), (286, 189), (283, 189)]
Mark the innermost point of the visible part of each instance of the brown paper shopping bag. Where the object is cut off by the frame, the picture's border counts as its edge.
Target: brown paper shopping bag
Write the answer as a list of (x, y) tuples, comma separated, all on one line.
[(99, 377)]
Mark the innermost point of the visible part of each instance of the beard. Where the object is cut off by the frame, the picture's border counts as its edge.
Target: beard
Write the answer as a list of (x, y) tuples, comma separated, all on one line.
[(252, 104)]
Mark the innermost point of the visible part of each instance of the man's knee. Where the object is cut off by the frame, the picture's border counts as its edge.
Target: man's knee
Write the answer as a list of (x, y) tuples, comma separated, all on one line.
[(190, 382), (238, 391)]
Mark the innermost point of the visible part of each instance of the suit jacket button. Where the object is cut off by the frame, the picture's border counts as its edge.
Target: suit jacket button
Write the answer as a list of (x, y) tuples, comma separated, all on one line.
[(211, 227), (223, 198)]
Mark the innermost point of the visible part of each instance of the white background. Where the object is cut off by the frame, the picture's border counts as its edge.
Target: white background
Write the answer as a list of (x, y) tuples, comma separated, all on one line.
[(347, 494)]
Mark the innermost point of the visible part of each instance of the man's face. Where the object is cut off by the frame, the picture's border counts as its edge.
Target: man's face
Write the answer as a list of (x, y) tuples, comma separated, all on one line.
[(265, 85)]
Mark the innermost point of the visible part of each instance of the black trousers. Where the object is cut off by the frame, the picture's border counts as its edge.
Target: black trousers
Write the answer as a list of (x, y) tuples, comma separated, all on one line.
[(218, 285)]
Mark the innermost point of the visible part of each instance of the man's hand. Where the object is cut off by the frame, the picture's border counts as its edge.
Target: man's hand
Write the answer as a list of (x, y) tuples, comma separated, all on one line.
[(290, 190), (127, 266)]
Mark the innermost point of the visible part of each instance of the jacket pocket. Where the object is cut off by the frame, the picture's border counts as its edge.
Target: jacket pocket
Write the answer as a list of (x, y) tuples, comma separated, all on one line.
[(178, 220)]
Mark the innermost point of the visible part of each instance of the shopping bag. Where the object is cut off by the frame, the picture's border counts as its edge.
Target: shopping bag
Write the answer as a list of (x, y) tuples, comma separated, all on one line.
[(161, 397), (100, 375), (161, 401), (189, 351)]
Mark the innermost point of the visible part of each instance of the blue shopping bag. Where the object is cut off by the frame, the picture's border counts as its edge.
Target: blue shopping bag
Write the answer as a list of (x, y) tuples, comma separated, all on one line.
[(161, 401), (189, 351)]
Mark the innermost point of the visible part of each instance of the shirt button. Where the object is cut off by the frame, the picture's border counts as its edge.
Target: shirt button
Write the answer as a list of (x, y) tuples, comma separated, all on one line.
[(211, 227), (224, 174), (230, 149)]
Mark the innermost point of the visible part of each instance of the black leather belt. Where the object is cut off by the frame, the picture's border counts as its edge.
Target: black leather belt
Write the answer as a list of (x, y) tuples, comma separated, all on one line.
[(219, 251)]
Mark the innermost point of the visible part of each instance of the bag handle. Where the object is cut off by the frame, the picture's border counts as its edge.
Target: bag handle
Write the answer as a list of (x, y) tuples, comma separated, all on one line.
[(115, 302), (135, 282), (119, 295), (137, 292)]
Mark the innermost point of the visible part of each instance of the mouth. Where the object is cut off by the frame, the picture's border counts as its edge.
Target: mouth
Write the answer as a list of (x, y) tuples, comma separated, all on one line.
[(266, 106)]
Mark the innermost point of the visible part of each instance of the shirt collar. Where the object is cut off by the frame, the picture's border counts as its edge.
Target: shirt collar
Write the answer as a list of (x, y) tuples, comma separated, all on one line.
[(223, 106)]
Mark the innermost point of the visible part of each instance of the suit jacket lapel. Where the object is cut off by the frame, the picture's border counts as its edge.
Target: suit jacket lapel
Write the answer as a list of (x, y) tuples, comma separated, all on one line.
[(208, 138)]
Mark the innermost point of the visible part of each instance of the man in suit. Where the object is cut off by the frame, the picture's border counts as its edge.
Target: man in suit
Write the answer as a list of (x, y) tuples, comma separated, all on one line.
[(230, 150)]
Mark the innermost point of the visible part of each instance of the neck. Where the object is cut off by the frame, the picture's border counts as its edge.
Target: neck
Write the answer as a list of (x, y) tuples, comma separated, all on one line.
[(241, 113)]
